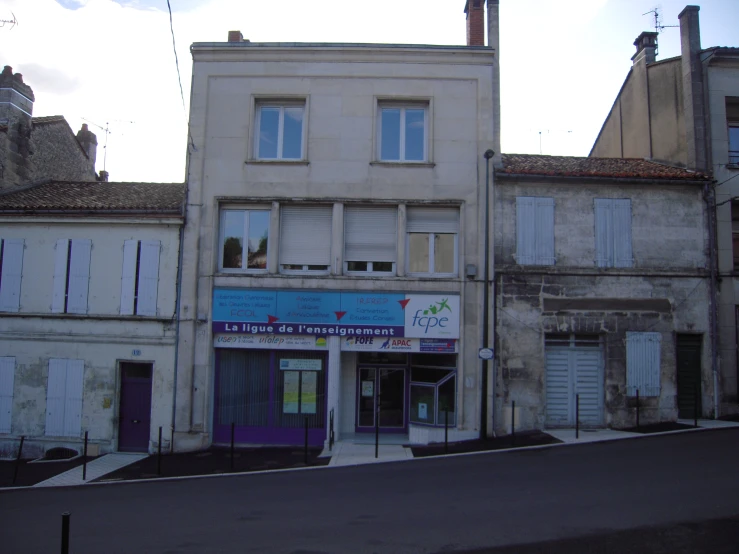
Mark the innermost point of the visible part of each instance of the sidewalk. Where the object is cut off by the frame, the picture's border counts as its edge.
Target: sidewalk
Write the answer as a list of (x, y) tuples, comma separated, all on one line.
[(98, 467)]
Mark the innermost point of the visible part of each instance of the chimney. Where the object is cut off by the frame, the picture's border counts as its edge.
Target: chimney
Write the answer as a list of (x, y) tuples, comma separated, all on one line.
[(89, 143), (103, 176), (235, 36), (646, 48), (475, 23), (16, 111), (693, 98), (494, 43)]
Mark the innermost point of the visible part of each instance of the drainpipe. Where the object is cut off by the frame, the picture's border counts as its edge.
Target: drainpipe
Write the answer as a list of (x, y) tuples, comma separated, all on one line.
[(710, 199), (486, 302)]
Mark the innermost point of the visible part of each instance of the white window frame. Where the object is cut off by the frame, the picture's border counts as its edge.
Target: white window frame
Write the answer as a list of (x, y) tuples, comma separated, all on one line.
[(244, 238), (140, 277), (425, 105), (280, 104), (370, 264), (11, 273), (432, 261), (305, 269)]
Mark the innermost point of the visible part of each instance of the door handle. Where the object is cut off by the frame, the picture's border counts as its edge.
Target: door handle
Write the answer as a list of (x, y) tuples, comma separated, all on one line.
[(135, 421)]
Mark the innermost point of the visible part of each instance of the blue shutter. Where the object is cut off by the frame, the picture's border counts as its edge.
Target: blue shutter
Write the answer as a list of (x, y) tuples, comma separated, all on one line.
[(603, 232), (128, 276), (60, 276), (622, 256), (10, 278), (643, 363), (7, 377), (559, 387), (544, 231), (525, 230), (148, 278), (55, 395), (79, 276)]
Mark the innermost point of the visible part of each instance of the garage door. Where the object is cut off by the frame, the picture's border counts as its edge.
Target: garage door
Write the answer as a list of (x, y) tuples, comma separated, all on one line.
[(574, 367)]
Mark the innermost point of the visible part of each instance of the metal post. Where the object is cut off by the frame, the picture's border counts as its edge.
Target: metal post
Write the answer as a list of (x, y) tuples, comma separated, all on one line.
[(18, 459), (306, 440), (65, 533), (637, 409), (486, 301), (695, 405), (577, 416), (513, 423), (331, 431), (233, 429), (171, 442), (159, 453), (84, 460), (446, 431), (377, 429)]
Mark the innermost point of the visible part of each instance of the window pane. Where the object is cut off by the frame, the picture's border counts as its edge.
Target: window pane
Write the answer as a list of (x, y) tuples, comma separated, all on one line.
[(356, 266), (258, 231), (269, 121), (423, 405), (233, 232), (418, 252), (443, 253), (414, 135), (382, 266), (308, 392), (290, 392), (447, 399), (734, 145), (390, 140), (428, 375), (292, 135)]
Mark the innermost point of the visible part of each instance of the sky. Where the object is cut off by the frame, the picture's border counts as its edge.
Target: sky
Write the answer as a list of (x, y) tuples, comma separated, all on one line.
[(111, 63)]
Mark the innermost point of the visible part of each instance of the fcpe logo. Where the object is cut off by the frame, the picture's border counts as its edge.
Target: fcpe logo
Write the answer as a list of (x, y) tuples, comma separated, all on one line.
[(433, 316)]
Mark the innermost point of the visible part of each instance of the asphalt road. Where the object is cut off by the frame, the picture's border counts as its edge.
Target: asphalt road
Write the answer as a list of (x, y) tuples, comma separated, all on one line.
[(647, 493)]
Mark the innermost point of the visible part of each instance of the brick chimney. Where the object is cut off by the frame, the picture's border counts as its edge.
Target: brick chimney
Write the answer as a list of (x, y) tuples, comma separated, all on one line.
[(475, 23), (646, 48), (235, 36), (693, 98)]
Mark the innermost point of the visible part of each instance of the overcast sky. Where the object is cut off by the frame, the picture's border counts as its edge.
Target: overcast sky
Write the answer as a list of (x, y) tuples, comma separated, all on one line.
[(111, 62)]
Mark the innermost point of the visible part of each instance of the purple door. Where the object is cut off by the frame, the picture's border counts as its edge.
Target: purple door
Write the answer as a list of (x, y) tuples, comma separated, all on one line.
[(134, 419)]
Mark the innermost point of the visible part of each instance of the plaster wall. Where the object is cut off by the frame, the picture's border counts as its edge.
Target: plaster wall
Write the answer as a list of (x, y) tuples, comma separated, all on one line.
[(667, 112)]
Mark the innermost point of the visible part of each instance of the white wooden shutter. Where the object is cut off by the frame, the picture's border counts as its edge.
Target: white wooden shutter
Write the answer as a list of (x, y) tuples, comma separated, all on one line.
[(643, 363), (370, 234), (55, 396), (10, 278), (79, 276), (128, 276), (423, 219), (73, 398), (603, 232), (525, 230), (7, 378), (622, 255), (305, 235), (148, 278), (544, 231), (60, 276)]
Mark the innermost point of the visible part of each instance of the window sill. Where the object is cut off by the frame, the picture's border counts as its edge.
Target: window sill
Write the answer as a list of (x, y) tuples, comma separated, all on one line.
[(404, 164), (277, 162)]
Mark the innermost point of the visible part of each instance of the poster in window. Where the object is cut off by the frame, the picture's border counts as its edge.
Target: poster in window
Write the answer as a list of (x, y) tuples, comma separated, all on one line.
[(423, 410), (291, 392), (368, 389), (309, 396)]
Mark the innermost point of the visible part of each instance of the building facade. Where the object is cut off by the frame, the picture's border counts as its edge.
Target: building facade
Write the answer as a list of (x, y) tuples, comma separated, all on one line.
[(685, 111), (602, 292), (88, 274), (332, 252)]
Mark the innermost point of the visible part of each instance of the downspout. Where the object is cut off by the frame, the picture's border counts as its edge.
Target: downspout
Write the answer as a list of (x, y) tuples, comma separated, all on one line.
[(485, 303), (177, 330), (710, 199)]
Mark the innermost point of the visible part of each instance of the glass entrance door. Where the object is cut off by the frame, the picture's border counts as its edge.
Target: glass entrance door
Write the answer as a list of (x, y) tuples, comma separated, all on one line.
[(381, 391)]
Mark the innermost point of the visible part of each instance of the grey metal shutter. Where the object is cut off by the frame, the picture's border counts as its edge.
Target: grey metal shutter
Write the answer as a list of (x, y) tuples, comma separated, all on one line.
[(525, 230), (370, 234), (622, 255), (588, 364), (305, 235), (603, 232), (643, 363), (559, 387), (545, 231), (423, 219)]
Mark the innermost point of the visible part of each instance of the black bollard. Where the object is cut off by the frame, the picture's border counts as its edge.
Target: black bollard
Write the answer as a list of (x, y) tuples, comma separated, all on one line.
[(377, 431), (446, 430), (695, 405), (637, 409), (331, 430), (513, 423), (306, 441), (84, 460), (18, 459), (577, 416), (171, 442), (159, 454), (65, 533)]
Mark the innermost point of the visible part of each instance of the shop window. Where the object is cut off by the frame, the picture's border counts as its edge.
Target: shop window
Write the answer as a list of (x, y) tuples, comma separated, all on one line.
[(244, 229), (433, 390), (305, 239), (432, 241), (735, 233), (402, 132), (280, 130), (370, 239)]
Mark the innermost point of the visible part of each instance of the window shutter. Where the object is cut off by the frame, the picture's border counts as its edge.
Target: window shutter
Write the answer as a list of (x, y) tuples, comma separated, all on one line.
[(525, 230), (73, 398), (422, 219), (545, 231), (12, 270), (643, 363), (622, 255), (370, 234), (305, 235), (7, 377), (148, 278), (603, 232), (79, 276), (55, 395), (60, 276), (128, 276)]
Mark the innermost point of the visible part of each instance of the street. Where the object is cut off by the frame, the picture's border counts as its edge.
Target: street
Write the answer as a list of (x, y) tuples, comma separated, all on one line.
[(677, 486)]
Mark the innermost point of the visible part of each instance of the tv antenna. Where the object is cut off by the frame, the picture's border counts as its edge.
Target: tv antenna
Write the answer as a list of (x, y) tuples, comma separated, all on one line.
[(107, 132), (658, 27), (13, 22), (547, 131)]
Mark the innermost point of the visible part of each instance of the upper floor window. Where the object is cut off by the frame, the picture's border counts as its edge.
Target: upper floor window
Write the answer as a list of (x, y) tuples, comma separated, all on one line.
[(534, 230), (613, 232), (432, 241), (71, 276), (140, 277), (370, 239), (305, 238), (732, 121), (402, 132), (280, 130), (11, 270), (244, 239)]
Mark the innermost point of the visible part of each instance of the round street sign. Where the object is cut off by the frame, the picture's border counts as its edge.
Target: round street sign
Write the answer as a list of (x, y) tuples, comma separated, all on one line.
[(485, 353)]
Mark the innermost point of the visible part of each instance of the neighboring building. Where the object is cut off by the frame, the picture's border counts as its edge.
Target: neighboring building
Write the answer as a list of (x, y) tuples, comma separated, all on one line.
[(602, 288), (685, 111), (88, 276), (332, 253), (34, 149)]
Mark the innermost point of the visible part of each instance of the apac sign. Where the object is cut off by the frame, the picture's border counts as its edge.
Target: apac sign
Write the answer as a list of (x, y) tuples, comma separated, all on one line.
[(250, 312), (391, 344)]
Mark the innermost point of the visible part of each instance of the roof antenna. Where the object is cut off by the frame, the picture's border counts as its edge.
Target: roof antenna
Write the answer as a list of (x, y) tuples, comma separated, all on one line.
[(107, 131), (658, 27)]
